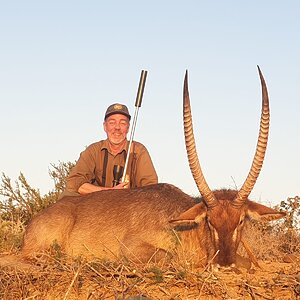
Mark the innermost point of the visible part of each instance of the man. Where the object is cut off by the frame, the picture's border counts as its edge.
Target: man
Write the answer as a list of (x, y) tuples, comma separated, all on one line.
[(101, 164)]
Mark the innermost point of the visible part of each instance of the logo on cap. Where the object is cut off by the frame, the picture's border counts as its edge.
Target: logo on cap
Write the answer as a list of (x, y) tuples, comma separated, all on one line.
[(118, 106)]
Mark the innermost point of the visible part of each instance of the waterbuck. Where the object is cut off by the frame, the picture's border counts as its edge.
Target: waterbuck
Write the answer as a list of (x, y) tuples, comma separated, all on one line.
[(156, 221)]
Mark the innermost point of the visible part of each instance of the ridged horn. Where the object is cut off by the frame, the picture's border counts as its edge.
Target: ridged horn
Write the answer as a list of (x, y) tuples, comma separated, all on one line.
[(261, 147), (190, 145)]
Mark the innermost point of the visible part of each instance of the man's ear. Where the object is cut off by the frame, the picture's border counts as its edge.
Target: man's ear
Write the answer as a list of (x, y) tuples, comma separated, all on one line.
[(104, 125)]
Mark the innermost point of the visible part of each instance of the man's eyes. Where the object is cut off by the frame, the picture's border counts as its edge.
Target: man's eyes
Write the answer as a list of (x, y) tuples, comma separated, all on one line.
[(122, 123)]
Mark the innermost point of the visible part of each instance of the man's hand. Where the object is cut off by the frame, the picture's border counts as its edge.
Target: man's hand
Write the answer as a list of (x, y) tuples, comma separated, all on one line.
[(122, 185), (88, 188)]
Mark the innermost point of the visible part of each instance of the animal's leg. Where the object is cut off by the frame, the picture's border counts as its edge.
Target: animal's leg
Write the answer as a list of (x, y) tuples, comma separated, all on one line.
[(45, 230), (142, 252)]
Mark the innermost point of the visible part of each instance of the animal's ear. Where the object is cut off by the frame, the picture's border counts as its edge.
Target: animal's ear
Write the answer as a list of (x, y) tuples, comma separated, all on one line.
[(260, 212), (193, 215)]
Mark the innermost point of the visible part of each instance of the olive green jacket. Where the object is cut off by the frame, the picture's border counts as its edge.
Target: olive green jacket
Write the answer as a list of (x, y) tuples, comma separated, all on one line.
[(89, 167)]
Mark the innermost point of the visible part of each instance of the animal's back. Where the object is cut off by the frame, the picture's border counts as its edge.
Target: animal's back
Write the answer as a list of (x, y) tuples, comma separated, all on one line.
[(110, 223)]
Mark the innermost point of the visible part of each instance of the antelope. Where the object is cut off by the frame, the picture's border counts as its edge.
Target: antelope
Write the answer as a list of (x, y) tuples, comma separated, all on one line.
[(158, 221)]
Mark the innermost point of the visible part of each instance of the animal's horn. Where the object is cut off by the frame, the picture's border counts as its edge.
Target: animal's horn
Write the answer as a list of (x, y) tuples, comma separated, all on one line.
[(261, 147), (200, 181)]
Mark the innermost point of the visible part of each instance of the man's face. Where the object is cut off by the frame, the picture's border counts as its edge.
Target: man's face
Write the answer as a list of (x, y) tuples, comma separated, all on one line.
[(116, 127)]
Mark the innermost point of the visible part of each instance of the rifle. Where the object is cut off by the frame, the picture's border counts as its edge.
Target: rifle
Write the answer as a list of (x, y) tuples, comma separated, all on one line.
[(138, 103)]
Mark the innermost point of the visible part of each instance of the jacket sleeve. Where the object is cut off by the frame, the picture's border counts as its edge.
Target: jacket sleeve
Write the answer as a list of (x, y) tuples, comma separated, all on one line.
[(83, 171)]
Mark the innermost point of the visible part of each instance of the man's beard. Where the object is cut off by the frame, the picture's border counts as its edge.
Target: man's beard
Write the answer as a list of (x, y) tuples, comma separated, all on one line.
[(116, 140)]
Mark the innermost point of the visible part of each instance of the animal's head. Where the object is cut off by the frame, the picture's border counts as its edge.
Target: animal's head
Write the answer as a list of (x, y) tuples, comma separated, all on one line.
[(225, 211), (224, 222)]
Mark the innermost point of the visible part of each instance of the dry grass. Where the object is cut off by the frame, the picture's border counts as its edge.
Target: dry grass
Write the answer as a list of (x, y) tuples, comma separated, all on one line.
[(60, 278), (272, 241), (276, 247)]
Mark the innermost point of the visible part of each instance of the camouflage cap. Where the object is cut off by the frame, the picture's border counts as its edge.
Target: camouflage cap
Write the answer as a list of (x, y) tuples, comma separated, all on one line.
[(117, 108)]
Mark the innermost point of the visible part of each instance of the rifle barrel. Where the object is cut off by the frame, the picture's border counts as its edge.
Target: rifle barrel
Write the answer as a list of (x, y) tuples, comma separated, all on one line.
[(138, 103)]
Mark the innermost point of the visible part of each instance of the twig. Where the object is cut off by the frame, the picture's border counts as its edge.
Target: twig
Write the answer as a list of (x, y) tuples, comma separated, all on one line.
[(209, 263), (72, 283), (250, 253)]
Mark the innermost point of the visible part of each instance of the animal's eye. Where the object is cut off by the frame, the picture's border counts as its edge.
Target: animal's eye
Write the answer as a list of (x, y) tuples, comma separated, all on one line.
[(241, 222)]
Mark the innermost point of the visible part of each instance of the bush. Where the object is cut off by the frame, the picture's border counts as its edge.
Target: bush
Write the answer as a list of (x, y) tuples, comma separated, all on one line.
[(272, 240), (20, 202)]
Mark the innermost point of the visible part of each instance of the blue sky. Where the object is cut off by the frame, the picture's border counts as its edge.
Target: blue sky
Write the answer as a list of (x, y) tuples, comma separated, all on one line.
[(63, 62)]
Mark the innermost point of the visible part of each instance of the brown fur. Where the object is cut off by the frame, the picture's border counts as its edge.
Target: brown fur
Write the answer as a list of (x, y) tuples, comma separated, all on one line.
[(148, 223)]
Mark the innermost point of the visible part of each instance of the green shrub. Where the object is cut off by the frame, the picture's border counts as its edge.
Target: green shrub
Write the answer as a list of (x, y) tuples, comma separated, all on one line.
[(19, 202)]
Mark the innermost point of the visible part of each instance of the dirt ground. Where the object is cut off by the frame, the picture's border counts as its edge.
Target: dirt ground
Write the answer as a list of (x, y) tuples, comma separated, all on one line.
[(82, 280)]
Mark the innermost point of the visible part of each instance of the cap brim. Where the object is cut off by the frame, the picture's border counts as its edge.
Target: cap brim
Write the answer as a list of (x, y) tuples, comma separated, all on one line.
[(117, 113)]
